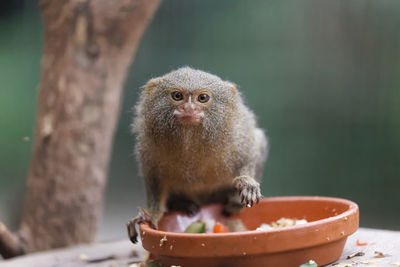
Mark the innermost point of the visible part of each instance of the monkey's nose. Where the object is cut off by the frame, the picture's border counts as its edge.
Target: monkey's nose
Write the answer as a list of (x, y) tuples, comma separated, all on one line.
[(189, 108), (188, 113)]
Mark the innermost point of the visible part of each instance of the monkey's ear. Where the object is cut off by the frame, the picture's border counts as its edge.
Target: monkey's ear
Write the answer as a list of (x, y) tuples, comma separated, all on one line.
[(232, 87), (151, 84)]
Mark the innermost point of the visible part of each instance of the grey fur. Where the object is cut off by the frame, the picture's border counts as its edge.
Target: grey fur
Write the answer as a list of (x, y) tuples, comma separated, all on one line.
[(179, 159)]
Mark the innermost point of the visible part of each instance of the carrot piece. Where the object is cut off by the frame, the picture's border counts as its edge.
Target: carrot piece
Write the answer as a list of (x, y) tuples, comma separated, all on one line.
[(361, 244), (220, 228)]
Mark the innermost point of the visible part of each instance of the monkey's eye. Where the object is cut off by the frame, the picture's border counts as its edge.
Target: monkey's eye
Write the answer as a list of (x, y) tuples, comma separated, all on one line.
[(177, 96), (203, 98)]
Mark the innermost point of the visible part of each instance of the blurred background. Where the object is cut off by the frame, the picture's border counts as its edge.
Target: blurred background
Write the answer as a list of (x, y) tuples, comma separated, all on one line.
[(323, 78)]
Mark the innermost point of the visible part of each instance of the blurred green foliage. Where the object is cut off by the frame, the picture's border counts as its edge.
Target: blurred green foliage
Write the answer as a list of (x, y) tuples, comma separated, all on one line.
[(322, 76)]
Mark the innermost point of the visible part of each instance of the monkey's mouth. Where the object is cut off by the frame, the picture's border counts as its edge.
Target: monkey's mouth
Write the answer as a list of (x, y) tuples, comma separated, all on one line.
[(189, 119)]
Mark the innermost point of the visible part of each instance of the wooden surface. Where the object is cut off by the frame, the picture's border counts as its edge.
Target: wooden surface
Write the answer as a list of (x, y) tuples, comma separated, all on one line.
[(124, 253), (387, 242)]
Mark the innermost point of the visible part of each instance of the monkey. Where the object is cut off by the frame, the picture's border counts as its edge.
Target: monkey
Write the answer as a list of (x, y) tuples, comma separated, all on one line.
[(196, 143)]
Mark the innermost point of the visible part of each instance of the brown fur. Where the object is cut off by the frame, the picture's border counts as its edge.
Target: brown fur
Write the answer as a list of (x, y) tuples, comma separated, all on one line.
[(219, 159)]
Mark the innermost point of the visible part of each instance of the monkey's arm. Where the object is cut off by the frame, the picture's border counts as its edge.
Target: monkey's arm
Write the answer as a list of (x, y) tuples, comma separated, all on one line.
[(249, 173)]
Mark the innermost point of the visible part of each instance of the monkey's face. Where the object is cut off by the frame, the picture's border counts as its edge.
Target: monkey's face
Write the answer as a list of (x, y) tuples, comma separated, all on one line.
[(189, 106), (188, 99)]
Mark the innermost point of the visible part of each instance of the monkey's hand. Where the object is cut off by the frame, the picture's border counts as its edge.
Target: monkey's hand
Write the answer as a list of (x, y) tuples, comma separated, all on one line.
[(248, 188), (142, 217)]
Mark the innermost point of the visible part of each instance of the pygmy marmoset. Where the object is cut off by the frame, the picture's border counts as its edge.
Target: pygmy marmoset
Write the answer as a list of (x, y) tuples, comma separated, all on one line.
[(197, 143)]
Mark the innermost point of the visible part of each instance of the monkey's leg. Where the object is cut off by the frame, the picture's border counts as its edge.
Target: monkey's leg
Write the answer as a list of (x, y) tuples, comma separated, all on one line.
[(183, 203), (155, 207), (248, 188), (156, 198)]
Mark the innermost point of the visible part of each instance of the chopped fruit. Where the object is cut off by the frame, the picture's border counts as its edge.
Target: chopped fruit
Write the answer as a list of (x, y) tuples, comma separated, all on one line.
[(220, 228)]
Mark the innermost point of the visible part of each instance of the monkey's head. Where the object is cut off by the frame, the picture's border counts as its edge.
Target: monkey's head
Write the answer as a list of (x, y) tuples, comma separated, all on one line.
[(188, 98)]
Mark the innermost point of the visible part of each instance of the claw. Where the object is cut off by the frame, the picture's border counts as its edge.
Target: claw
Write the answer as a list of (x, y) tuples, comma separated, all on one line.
[(142, 217), (248, 189), (132, 233)]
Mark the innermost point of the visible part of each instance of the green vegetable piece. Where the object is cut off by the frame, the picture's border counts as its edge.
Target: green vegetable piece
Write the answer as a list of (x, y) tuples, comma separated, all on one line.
[(196, 227), (310, 263)]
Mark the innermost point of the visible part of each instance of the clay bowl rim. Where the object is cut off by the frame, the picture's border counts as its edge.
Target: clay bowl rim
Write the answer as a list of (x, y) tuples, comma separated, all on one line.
[(302, 236)]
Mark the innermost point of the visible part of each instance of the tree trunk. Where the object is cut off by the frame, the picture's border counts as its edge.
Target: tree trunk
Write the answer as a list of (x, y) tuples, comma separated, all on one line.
[(88, 47)]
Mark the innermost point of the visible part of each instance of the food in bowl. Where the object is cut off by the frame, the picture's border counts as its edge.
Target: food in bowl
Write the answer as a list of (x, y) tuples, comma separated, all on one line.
[(236, 225), (281, 223)]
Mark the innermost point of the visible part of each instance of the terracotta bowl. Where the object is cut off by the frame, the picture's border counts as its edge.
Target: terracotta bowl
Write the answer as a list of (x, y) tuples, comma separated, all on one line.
[(322, 239)]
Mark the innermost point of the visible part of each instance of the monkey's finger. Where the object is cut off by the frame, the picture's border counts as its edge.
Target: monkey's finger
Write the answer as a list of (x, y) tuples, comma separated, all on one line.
[(245, 192), (252, 189), (241, 198), (254, 197), (258, 196), (245, 199), (252, 194), (240, 186), (132, 233), (248, 200), (251, 197)]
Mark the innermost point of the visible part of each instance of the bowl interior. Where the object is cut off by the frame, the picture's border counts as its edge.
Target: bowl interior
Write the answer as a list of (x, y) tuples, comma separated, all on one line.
[(269, 210)]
